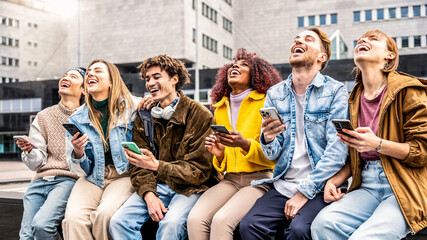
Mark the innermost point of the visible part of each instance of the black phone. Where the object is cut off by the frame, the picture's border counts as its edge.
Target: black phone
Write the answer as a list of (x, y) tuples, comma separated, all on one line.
[(340, 124), (72, 129), (220, 128)]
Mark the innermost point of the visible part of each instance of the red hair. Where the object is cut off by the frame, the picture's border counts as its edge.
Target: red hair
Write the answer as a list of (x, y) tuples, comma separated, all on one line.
[(263, 75)]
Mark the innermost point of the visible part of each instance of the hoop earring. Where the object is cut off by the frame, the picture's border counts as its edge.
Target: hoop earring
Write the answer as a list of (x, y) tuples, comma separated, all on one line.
[(385, 65)]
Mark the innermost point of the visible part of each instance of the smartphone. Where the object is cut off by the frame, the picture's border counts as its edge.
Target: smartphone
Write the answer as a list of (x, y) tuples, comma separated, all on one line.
[(132, 146), (23, 138), (72, 129), (220, 128), (271, 112)]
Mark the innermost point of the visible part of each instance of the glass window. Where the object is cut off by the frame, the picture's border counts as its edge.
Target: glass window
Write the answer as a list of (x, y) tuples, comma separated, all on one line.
[(334, 49), (11, 80), (417, 41), (354, 43), (35, 25), (29, 63), (3, 20), (334, 18), (3, 60), (368, 15), (322, 19), (29, 43), (300, 21), (36, 104), (16, 42), (30, 24), (16, 62), (194, 4), (404, 12), (310, 20), (35, 64), (10, 42), (26, 105), (5, 104), (228, 1), (16, 23), (356, 16), (3, 80), (15, 105), (35, 45), (405, 42), (392, 13), (16, 79), (3, 40), (194, 35), (380, 14), (10, 21), (10, 62), (416, 10)]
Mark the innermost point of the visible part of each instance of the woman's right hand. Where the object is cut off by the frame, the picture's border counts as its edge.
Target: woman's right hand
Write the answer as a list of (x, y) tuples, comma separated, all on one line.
[(332, 193), (24, 146), (213, 145), (79, 144)]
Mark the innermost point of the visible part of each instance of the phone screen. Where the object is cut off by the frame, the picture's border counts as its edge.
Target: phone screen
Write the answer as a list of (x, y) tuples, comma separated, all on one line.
[(220, 128), (72, 129)]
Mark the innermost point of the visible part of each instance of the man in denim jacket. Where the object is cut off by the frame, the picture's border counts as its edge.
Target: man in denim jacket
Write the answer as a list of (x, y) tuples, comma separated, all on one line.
[(306, 144)]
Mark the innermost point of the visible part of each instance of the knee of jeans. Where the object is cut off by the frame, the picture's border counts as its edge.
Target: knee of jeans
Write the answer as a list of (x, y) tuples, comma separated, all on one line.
[(116, 221), (42, 225), (171, 222)]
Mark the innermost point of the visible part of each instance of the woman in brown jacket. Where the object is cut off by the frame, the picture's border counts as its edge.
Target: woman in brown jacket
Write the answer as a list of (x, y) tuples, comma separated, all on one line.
[(388, 195)]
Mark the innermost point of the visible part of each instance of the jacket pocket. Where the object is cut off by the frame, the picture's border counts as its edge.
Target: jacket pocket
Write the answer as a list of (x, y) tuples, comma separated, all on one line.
[(316, 124)]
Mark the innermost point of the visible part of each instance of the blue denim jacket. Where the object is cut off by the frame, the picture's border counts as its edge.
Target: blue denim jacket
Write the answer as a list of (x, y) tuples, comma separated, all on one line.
[(92, 164), (325, 99)]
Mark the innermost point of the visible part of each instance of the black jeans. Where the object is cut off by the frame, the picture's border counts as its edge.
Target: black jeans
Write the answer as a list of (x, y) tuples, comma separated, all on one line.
[(265, 217)]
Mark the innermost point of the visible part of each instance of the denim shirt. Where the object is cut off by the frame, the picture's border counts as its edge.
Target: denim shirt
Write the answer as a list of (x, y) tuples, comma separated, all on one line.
[(92, 163), (325, 99)]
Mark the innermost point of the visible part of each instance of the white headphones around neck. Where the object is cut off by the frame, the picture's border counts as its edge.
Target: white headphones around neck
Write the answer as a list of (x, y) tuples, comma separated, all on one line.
[(165, 113)]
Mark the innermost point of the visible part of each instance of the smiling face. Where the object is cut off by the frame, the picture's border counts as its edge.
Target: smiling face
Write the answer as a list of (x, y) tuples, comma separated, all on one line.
[(71, 84), (307, 51), (372, 48), (239, 75), (97, 81), (160, 85)]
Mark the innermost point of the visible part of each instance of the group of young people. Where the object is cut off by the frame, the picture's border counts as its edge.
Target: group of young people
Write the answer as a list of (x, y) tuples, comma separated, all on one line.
[(263, 175)]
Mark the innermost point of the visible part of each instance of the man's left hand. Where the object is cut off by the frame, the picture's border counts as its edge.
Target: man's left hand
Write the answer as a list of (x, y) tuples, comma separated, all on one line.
[(147, 161), (294, 204)]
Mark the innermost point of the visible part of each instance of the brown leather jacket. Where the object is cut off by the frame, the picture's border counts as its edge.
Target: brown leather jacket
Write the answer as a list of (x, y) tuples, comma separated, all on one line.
[(184, 163), (403, 118)]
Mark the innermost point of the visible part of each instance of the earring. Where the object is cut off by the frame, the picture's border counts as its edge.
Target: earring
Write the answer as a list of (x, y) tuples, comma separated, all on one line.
[(385, 65)]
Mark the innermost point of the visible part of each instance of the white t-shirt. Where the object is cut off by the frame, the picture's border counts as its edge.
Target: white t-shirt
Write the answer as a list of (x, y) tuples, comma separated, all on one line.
[(300, 166)]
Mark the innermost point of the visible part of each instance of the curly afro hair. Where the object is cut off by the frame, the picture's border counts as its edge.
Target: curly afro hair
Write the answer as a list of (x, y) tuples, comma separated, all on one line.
[(171, 65), (263, 75)]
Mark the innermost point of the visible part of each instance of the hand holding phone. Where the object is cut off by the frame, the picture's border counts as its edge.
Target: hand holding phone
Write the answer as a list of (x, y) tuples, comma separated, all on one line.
[(340, 124), (132, 147), (271, 112), (220, 128), (26, 140), (72, 129)]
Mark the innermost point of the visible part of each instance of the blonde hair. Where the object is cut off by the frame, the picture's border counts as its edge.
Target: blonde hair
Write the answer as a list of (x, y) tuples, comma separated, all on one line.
[(392, 64), (326, 44), (117, 92)]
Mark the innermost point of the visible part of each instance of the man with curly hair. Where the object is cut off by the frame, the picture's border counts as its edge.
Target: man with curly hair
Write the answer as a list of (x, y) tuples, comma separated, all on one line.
[(306, 145), (172, 180)]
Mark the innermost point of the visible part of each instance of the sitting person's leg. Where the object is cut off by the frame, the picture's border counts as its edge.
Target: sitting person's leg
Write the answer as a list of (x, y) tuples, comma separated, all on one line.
[(200, 217), (174, 224), (126, 223), (115, 194), (229, 216), (84, 199), (33, 200), (262, 221), (50, 215), (299, 228)]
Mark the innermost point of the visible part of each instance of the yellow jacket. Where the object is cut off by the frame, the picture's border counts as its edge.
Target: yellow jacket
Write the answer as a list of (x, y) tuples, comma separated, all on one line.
[(249, 125)]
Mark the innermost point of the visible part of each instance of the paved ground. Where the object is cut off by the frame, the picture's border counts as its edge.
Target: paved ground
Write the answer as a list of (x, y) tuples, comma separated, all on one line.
[(14, 176)]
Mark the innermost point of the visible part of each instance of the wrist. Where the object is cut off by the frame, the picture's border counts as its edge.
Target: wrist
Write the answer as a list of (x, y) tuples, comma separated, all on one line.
[(377, 149)]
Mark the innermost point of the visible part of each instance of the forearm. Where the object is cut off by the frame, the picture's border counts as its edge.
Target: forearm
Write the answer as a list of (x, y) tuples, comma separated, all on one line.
[(394, 149), (341, 176)]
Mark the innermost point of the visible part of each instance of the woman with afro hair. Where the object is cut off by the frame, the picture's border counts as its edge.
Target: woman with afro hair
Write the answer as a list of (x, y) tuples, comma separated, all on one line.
[(238, 95)]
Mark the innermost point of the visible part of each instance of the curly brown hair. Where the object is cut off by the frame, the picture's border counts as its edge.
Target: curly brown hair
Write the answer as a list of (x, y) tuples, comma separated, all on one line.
[(263, 75), (172, 67)]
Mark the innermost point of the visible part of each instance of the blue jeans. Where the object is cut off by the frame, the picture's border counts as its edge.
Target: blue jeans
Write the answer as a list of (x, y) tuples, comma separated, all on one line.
[(126, 223), (370, 212), (44, 207)]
